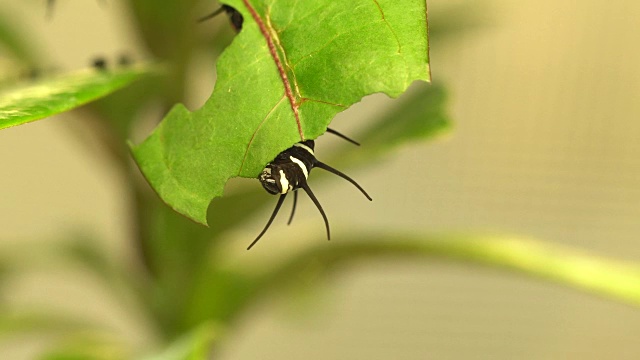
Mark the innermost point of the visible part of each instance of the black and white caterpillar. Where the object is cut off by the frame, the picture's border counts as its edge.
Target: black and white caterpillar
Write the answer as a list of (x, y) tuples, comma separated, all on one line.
[(289, 172)]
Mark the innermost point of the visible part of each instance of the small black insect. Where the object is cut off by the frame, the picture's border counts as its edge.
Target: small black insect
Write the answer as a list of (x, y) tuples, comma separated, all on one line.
[(233, 14), (99, 63), (124, 60), (289, 171)]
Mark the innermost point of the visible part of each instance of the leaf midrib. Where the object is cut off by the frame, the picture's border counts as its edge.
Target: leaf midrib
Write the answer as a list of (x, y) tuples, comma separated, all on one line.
[(281, 71)]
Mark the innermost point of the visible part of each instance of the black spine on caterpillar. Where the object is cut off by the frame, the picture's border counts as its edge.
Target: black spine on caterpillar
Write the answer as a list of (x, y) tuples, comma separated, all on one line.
[(234, 16), (289, 172)]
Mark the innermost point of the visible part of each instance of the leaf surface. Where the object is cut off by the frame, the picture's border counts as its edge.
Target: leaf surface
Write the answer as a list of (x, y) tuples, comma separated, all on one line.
[(34, 101), (291, 69)]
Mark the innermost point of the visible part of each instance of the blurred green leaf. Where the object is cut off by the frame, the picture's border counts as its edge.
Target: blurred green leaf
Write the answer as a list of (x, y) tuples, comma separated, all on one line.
[(19, 322), (15, 41), (74, 250), (454, 20), (225, 294), (38, 100), (85, 251), (176, 249), (616, 280), (195, 345), (422, 115), (220, 296), (283, 79), (88, 346), (418, 115), (119, 278), (563, 265)]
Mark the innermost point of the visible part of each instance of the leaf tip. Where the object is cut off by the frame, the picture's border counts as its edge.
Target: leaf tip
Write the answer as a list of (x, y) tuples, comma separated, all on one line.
[(168, 189)]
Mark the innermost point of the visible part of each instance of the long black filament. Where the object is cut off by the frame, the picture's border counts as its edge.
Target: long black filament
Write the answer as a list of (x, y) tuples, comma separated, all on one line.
[(212, 15), (331, 131), (293, 210), (307, 189), (328, 168), (273, 216)]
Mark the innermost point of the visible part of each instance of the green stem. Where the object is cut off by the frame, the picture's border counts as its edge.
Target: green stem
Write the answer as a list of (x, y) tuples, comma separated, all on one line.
[(613, 279), (563, 265)]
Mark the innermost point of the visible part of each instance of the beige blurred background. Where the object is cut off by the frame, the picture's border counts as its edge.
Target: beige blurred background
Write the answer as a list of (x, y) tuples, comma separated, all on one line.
[(546, 102)]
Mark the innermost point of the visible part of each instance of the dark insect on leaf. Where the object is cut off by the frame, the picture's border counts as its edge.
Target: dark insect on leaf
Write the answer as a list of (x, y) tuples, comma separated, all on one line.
[(331, 131), (99, 63), (32, 74), (233, 14), (124, 60), (289, 171)]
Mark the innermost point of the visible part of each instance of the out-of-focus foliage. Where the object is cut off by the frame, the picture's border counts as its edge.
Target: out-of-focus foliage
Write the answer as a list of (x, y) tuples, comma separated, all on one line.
[(37, 100), (14, 42), (178, 283)]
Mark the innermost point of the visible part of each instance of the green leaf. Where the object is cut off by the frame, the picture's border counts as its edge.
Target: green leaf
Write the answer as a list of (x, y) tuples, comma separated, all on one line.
[(35, 101), (73, 252), (292, 68), (86, 252), (195, 345)]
